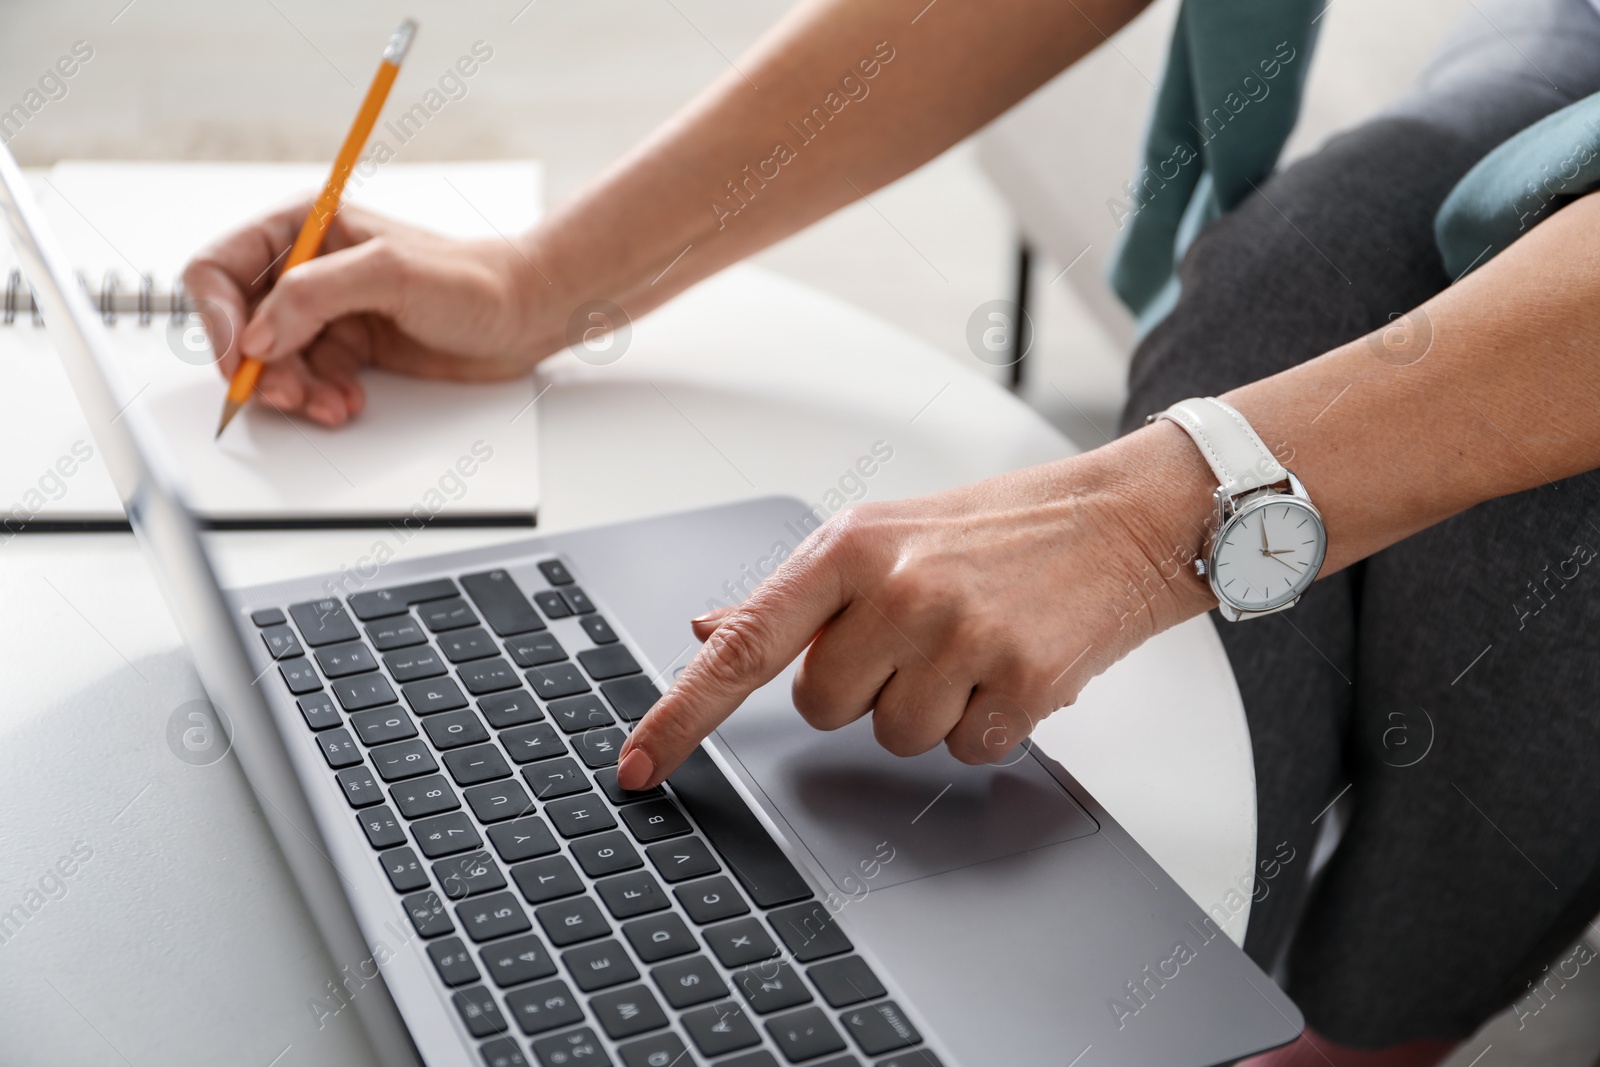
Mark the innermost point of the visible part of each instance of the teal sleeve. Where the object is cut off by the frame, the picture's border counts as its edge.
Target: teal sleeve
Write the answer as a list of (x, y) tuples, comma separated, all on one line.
[(1523, 181)]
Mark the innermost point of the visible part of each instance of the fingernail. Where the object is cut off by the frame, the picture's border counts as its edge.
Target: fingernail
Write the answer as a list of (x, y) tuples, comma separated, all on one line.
[(256, 339), (635, 770), (707, 617)]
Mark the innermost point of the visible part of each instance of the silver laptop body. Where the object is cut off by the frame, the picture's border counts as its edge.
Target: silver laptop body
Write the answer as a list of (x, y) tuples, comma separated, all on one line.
[(868, 909)]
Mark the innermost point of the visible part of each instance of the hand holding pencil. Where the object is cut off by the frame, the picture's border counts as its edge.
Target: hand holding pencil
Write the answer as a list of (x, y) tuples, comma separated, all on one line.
[(359, 290)]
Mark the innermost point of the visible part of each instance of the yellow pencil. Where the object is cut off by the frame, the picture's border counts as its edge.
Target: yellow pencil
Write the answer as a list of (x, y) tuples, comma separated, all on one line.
[(244, 379)]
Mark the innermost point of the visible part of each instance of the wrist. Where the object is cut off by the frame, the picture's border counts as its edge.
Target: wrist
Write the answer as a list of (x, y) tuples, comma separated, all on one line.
[(1163, 492)]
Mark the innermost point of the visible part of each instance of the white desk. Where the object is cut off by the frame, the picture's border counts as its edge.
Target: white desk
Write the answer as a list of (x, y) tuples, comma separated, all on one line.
[(181, 939)]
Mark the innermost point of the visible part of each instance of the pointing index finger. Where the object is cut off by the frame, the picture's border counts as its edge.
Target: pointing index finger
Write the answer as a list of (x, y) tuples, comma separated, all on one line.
[(750, 646)]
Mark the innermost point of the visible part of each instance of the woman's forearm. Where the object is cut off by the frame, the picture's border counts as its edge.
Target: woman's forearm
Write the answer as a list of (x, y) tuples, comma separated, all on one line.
[(1490, 388), (840, 98)]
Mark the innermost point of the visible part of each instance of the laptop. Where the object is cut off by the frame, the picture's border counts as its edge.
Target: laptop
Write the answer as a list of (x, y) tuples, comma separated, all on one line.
[(434, 745)]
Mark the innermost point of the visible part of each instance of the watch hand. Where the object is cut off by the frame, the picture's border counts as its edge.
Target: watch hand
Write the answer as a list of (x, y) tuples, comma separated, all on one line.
[(1275, 559), (1264, 549), (1279, 551)]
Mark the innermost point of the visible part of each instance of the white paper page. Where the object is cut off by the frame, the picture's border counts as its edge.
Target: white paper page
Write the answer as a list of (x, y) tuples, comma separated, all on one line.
[(423, 449)]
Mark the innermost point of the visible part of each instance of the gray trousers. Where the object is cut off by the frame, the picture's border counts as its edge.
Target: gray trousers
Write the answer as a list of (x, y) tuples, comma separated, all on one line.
[(1452, 681)]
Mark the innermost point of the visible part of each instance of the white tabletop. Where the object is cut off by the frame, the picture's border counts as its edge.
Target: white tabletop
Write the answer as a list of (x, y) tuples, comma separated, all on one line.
[(177, 936)]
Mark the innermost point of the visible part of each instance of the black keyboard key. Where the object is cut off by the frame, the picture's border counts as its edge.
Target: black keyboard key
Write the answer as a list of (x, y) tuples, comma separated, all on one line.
[(453, 729), (599, 631), (655, 820), (809, 931), (569, 921), (546, 1006), (509, 709), (553, 604), (403, 759), (319, 712), (628, 1012), (762, 1058), (711, 900), (657, 1050), (453, 962), (578, 1046), (504, 607), (299, 675), (267, 617), (494, 801), (488, 676), (736, 832), (400, 632), (381, 603), (428, 914), (771, 986), (686, 983), (523, 839), (281, 642), (576, 714), (502, 1052), (352, 657), (606, 779), (414, 664), (599, 966), (846, 982), (535, 650), (363, 691), (323, 622), (661, 937), (599, 748), (877, 1028), (359, 787), (382, 725), (578, 600), (480, 1012), (404, 870), (632, 696), (480, 763), (554, 778), (609, 661), (720, 1028), (382, 828), (441, 615), (605, 854), (805, 1034), (422, 797), (445, 835), (555, 572), (578, 815), (527, 744), (462, 646), (556, 680), (684, 859), (517, 960), (635, 893), (740, 942), (493, 916), (435, 695), (338, 748), (547, 879)]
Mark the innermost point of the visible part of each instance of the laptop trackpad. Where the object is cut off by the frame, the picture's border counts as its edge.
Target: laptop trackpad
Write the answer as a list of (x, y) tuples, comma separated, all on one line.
[(846, 798)]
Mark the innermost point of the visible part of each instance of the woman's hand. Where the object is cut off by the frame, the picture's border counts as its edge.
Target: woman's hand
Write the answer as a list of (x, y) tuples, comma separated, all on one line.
[(962, 618), (380, 294)]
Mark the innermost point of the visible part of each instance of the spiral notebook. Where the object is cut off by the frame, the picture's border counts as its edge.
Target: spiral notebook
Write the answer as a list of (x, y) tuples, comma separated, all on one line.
[(422, 452)]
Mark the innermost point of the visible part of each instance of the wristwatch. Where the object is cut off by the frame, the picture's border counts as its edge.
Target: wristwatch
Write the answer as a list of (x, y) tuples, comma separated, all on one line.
[(1268, 540)]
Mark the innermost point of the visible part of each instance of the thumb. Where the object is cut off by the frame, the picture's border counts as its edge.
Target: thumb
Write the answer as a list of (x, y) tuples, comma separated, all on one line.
[(706, 625), (366, 277)]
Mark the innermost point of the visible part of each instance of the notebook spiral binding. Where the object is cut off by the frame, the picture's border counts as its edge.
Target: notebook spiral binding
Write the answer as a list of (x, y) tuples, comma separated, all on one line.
[(144, 301)]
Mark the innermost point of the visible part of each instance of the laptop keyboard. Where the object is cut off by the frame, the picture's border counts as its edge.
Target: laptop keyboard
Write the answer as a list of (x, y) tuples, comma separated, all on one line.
[(473, 727)]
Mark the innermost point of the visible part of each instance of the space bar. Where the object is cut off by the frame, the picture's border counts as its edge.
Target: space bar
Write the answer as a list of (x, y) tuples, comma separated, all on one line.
[(736, 833)]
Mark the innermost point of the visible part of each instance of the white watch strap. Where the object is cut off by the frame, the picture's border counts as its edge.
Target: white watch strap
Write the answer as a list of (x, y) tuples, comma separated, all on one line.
[(1238, 457)]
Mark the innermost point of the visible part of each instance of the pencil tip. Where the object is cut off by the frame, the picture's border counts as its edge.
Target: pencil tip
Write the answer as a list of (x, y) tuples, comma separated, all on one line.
[(229, 410)]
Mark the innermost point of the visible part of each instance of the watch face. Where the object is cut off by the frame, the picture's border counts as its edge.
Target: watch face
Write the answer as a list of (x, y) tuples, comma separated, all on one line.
[(1268, 553)]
